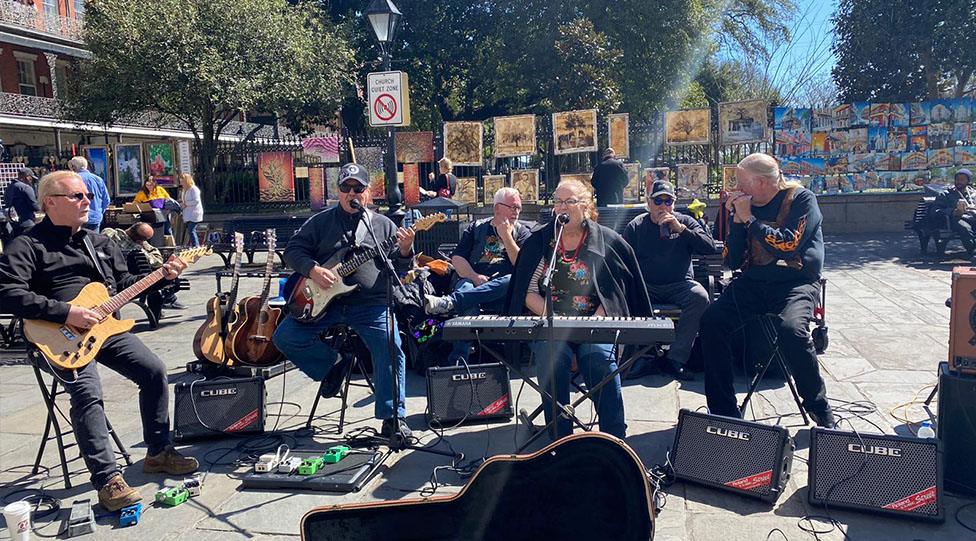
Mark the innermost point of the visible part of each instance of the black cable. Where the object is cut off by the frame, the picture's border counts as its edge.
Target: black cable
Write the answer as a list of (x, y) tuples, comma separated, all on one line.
[(959, 520)]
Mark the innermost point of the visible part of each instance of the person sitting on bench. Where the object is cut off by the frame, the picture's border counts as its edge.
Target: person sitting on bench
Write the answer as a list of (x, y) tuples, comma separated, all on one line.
[(959, 203), (136, 237), (484, 259)]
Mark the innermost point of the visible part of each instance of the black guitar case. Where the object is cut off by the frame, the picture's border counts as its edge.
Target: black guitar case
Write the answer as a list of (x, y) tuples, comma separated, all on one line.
[(586, 486)]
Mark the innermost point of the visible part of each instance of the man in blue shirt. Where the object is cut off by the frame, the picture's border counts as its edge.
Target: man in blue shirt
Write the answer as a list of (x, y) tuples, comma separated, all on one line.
[(20, 202), (96, 187)]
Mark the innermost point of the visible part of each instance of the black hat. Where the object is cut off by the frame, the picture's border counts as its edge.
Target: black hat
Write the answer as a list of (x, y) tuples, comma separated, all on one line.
[(661, 187), (26, 172), (354, 171)]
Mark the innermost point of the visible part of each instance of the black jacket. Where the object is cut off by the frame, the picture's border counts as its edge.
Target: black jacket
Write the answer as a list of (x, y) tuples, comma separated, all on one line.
[(47, 266), (617, 275), (609, 180), (668, 260), (20, 196)]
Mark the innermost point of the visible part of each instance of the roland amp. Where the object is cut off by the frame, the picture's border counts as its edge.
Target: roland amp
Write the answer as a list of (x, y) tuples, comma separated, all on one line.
[(962, 321), (473, 393), (744, 457), (891, 475), (212, 408)]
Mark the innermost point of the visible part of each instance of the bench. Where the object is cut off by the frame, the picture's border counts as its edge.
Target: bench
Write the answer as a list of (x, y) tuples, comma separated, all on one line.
[(151, 302), (931, 223), (254, 241)]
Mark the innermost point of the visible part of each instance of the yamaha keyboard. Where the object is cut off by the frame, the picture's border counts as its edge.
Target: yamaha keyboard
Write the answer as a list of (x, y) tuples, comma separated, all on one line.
[(592, 330)]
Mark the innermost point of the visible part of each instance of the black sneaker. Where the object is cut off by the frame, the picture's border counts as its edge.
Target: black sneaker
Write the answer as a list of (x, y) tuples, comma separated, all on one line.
[(332, 383), (675, 369), (641, 368), (823, 419), (387, 429)]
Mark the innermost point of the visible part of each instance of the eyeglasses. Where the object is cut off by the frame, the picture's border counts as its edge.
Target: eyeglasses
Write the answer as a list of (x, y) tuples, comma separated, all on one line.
[(78, 196), (663, 201), (566, 202), (516, 208), (346, 188)]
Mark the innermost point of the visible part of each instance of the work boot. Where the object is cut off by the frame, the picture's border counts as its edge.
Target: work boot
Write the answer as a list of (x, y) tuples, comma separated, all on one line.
[(117, 494), (170, 461), (439, 305)]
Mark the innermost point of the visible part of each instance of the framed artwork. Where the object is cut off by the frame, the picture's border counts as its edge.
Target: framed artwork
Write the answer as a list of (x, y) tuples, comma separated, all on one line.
[(920, 113), (886, 161), (331, 183), (823, 119), (961, 133), (729, 183), (493, 183), (689, 127), (526, 181), (791, 119), (897, 139), (878, 115), (941, 157), (184, 158), (857, 140), (964, 155), (947, 111), (918, 139), (467, 190), (372, 159), (411, 184), (836, 164), (414, 146), (860, 114), (618, 128), (877, 139), (819, 142), (860, 162), (914, 160), (652, 174), (585, 178), (462, 143), (898, 115), (632, 191), (742, 122), (129, 168), (323, 147), (812, 166), (574, 131), (316, 188), (837, 141), (692, 178), (97, 156), (276, 177), (792, 143), (514, 136), (161, 162), (842, 116)]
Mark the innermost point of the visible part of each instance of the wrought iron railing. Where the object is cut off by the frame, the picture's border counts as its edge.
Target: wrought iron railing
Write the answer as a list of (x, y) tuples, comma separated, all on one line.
[(30, 17)]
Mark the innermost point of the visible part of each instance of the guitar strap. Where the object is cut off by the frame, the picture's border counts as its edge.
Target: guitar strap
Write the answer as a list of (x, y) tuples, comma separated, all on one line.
[(98, 264)]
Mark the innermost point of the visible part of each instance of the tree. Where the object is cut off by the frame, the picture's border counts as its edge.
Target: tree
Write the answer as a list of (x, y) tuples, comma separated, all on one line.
[(201, 63)]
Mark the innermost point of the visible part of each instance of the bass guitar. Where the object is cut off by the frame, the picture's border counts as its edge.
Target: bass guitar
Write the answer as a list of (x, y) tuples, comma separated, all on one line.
[(208, 342), (253, 322), (72, 348), (307, 301)]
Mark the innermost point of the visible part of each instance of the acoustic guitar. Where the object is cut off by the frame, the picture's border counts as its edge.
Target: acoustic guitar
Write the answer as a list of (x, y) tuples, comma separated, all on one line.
[(208, 342), (254, 321), (307, 301), (585, 486), (72, 348)]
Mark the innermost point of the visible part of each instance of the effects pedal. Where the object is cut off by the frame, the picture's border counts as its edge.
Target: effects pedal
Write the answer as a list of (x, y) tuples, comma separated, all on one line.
[(129, 516), (266, 463), (81, 521), (193, 486), (289, 465), (335, 454), (172, 497), (310, 466)]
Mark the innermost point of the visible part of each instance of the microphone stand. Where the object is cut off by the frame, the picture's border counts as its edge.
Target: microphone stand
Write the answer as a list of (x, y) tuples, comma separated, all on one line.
[(546, 287), (396, 442)]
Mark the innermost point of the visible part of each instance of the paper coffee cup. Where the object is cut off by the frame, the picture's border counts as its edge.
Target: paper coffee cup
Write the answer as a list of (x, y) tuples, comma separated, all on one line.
[(17, 515)]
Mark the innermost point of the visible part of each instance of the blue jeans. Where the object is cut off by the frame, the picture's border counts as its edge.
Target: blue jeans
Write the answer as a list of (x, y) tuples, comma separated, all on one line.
[(595, 364), (191, 232), (470, 301), (302, 345)]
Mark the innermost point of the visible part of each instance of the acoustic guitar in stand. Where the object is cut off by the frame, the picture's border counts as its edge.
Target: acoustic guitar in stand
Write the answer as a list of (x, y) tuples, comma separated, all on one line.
[(307, 301), (254, 321), (208, 342), (72, 348)]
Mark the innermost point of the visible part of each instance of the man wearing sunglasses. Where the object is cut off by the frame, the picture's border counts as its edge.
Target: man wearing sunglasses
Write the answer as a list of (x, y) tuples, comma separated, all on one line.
[(46, 267), (664, 241), (365, 309)]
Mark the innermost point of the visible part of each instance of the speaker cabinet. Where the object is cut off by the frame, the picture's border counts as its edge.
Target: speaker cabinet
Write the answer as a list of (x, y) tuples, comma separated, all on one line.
[(473, 393), (212, 408), (962, 321), (891, 475), (957, 429), (748, 458)]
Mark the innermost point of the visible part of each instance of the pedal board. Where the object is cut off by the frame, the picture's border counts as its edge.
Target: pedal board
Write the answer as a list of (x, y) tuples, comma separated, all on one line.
[(348, 475)]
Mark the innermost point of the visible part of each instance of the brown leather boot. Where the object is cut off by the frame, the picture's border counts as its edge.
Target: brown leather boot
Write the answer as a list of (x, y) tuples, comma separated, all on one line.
[(117, 494), (170, 461)]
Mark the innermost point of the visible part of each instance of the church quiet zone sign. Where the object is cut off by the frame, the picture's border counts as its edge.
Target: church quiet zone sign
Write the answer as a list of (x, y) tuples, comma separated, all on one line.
[(389, 98)]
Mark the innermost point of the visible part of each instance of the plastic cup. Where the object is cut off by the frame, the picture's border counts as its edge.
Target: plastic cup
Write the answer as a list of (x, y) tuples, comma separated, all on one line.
[(17, 515)]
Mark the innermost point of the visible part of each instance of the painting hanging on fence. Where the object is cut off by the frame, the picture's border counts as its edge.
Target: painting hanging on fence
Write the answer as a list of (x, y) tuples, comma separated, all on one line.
[(493, 183), (414, 146), (316, 188), (462, 142), (128, 168), (467, 190), (920, 114), (618, 130), (860, 114), (791, 119), (574, 131), (652, 174), (331, 183), (729, 183), (692, 178), (819, 142), (97, 156), (897, 139), (877, 139), (276, 177), (526, 181), (742, 122), (372, 159), (161, 162), (689, 127), (941, 157), (632, 191), (964, 155), (411, 184), (842, 116), (324, 148), (878, 115), (514, 136), (898, 115), (823, 119)]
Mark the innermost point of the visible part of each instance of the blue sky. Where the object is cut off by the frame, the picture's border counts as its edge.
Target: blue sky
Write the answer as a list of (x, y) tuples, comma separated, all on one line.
[(812, 28)]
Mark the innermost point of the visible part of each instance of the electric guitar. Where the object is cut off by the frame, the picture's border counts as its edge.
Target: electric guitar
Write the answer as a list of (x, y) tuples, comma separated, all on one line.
[(71, 348), (253, 322), (208, 342), (307, 301)]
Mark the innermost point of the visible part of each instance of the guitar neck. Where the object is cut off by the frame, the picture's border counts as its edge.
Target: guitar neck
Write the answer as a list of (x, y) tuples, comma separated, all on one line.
[(266, 287), (131, 292), (235, 281), (350, 266)]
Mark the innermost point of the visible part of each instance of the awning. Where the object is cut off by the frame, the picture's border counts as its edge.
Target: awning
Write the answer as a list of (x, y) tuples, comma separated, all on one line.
[(43, 45)]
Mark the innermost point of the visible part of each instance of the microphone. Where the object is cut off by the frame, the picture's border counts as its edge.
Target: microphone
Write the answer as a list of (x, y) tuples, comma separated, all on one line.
[(562, 219), (355, 204)]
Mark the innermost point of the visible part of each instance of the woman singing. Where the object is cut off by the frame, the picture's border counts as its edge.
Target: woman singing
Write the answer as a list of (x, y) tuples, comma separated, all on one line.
[(596, 274)]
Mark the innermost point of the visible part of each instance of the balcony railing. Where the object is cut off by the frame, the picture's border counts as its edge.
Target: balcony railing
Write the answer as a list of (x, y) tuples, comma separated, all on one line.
[(30, 17)]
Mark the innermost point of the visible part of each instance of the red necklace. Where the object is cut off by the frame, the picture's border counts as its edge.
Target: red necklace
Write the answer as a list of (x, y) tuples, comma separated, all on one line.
[(576, 252)]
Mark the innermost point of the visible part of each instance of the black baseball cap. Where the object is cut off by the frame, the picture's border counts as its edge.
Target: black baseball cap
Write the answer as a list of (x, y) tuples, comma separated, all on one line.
[(661, 187), (354, 171), (26, 172)]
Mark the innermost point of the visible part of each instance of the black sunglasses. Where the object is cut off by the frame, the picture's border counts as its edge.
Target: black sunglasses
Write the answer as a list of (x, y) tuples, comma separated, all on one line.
[(77, 196), (346, 188), (663, 201)]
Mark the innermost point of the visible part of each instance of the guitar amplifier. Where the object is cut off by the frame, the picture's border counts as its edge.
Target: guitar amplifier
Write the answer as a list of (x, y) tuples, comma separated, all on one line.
[(212, 408), (472, 393), (891, 475), (962, 321), (744, 457), (957, 429)]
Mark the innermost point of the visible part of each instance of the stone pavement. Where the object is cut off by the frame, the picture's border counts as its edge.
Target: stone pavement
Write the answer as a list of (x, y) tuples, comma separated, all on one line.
[(888, 330)]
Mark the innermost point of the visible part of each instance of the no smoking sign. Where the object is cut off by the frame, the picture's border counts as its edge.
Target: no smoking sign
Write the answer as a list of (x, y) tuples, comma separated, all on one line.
[(389, 98)]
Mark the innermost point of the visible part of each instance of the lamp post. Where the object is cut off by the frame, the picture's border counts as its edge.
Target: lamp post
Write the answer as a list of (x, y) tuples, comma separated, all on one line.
[(384, 17)]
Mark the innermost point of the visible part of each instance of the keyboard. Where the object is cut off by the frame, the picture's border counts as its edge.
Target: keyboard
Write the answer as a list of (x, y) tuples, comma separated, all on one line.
[(590, 330)]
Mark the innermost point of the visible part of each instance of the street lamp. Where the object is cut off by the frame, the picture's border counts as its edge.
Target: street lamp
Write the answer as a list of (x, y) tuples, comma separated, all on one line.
[(384, 17)]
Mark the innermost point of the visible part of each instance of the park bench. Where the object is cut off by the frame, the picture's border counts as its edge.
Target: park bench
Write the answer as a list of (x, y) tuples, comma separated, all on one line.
[(254, 240), (931, 224), (151, 302)]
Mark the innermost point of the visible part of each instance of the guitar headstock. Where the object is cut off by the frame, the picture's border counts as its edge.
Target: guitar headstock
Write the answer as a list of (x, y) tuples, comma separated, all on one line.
[(270, 237), (238, 242), (427, 222), (191, 255)]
